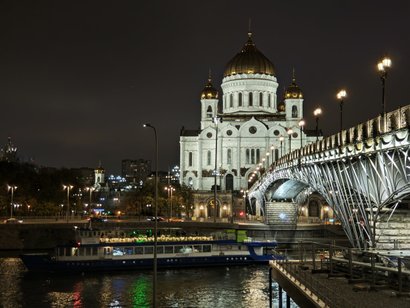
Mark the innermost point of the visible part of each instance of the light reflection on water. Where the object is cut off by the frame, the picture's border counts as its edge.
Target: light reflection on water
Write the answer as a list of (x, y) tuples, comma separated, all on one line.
[(201, 287)]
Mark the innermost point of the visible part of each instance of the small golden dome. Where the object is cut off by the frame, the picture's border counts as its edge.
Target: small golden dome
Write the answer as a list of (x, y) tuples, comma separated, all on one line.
[(249, 61), (293, 91), (281, 107), (209, 92)]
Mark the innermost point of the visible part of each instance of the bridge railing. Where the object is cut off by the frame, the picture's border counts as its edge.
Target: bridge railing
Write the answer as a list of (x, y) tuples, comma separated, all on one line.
[(391, 121), (383, 124)]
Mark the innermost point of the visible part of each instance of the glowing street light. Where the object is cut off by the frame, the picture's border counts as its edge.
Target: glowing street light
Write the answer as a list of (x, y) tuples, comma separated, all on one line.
[(340, 96), (317, 112), (216, 121), (281, 138), (170, 189), (90, 189), (384, 66), (154, 291), (11, 188), (290, 132), (301, 126), (68, 187)]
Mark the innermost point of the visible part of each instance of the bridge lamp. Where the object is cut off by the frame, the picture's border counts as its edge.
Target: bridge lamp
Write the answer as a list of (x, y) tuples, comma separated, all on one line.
[(281, 138), (383, 67), (290, 132), (317, 112), (301, 126), (340, 96)]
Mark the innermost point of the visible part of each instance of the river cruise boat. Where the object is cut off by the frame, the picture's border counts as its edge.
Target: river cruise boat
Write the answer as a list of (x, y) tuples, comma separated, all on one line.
[(97, 250)]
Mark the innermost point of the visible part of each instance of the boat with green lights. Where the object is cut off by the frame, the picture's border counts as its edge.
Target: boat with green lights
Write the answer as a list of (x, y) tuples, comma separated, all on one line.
[(97, 250)]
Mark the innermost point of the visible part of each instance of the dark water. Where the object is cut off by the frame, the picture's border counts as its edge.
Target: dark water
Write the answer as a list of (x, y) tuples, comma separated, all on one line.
[(206, 287)]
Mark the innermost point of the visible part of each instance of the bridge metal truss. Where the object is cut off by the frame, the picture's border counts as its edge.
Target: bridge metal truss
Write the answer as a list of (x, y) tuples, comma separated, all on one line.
[(363, 181)]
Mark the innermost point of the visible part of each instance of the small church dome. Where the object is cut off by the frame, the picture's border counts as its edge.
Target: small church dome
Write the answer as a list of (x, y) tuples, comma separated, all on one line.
[(281, 107), (293, 91), (209, 92), (249, 61)]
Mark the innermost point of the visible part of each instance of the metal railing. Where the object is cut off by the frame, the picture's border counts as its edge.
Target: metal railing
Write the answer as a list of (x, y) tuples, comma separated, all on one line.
[(330, 297)]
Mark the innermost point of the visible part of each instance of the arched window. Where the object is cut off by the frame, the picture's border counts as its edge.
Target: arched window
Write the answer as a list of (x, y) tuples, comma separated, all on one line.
[(209, 112), (190, 159), (294, 111), (269, 103), (252, 156), (250, 99), (247, 156), (208, 158), (231, 100), (229, 156), (240, 99), (258, 155), (261, 99)]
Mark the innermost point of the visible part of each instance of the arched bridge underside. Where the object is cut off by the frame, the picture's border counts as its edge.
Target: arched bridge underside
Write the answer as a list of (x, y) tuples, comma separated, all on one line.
[(363, 174)]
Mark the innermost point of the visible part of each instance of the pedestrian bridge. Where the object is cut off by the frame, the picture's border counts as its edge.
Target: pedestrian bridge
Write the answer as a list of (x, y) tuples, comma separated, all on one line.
[(362, 173)]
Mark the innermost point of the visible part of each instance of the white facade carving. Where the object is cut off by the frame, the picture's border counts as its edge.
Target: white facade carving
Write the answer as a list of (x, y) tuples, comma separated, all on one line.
[(251, 125)]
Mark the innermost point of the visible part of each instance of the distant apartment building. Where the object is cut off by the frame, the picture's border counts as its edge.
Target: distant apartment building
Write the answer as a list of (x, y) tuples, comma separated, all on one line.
[(135, 170)]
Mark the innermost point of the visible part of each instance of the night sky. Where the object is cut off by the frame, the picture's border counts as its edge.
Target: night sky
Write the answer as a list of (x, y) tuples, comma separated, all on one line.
[(79, 78)]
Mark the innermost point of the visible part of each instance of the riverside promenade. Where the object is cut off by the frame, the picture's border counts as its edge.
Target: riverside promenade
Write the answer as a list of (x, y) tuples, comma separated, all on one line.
[(313, 286)]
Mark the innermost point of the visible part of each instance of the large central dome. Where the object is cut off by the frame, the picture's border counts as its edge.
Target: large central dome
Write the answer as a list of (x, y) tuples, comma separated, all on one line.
[(249, 61)]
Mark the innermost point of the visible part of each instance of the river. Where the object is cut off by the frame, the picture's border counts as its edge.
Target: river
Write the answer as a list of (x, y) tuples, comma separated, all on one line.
[(196, 287)]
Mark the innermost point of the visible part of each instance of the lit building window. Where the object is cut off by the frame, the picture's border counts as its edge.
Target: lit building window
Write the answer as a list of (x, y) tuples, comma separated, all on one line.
[(209, 112), (294, 111), (229, 157), (190, 159)]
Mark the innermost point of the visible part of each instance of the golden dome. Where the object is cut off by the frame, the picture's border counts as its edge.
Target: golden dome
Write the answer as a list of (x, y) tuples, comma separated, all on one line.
[(209, 92), (249, 61), (293, 91), (281, 107)]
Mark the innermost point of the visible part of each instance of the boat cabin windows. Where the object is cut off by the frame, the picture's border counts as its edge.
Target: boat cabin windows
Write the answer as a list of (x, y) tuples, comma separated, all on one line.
[(139, 250), (207, 248), (149, 250), (169, 249)]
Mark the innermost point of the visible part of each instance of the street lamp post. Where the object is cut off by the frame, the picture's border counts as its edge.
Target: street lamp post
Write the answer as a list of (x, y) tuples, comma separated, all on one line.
[(11, 188), (154, 291), (317, 112), (301, 125), (290, 132), (170, 189), (216, 120), (281, 138), (67, 212), (340, 96), (90, 190), (271, 150), (383, 66)]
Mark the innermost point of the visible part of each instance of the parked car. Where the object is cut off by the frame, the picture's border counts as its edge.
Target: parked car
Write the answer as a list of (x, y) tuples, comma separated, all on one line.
[(13, 220), (159, 218), (97, 219), (176, 219)]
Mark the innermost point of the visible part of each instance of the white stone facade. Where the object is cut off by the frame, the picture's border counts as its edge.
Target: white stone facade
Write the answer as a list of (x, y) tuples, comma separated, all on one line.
[(252, 122)]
